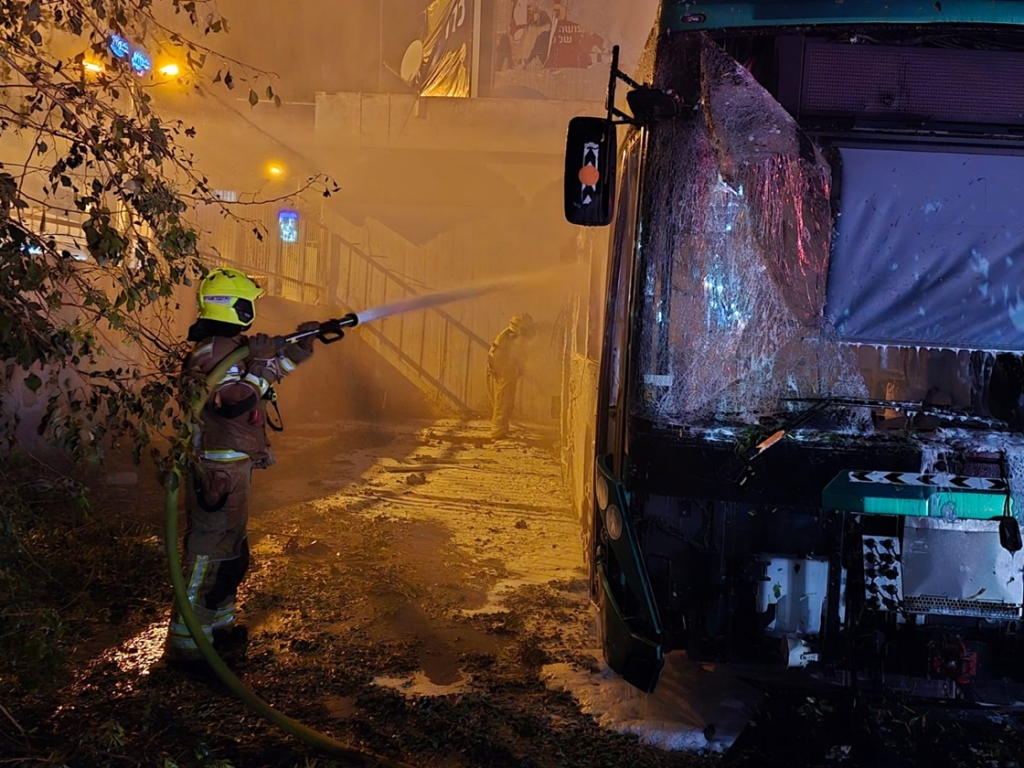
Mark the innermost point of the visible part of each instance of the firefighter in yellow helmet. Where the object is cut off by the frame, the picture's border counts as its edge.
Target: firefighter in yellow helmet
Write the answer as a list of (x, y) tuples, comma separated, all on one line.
[(506, 363), (231, 442)]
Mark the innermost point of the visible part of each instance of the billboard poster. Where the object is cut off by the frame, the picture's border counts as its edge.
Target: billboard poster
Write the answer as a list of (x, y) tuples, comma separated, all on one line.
[(547, 49), (440, 61), (561, 49), (550, 37)]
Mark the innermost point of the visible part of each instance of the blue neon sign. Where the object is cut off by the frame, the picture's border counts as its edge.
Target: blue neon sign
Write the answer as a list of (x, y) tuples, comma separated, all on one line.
[(140, 62), (288, 226), (119, 46), (138, 59)]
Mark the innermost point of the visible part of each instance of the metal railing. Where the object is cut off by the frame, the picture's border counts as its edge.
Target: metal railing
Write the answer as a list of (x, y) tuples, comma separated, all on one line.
[(324, 268)]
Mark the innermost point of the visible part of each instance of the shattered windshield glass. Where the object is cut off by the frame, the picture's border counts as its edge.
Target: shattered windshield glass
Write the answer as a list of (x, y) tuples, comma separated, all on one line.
[(735, 261), (770, 273)]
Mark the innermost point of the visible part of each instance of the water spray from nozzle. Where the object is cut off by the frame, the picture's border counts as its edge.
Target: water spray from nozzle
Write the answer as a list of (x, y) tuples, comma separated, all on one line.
[(459, 294), (333, 330)]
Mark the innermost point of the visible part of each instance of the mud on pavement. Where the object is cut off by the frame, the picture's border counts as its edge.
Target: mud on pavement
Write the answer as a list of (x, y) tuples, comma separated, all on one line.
[(414, 591), (417, 549), (409, 584), (419, 580)]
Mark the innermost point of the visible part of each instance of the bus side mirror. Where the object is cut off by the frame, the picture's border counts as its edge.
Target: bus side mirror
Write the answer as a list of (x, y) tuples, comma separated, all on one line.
[(591, 150)]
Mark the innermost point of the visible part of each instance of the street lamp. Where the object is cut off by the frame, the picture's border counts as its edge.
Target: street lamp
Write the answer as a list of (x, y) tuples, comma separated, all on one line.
[(275, 170), (170, 70)]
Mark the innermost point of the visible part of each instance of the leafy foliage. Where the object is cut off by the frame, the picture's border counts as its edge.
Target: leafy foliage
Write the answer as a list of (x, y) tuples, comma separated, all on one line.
[(95, 194)]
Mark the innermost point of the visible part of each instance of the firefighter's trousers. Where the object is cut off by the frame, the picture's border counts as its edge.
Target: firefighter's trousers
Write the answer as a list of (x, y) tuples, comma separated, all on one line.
[(502, 389), (216, 549)]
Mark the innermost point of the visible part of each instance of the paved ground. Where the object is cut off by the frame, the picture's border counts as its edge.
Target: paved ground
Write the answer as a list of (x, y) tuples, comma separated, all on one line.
[(418, 591), (467, 522), (412, 588)]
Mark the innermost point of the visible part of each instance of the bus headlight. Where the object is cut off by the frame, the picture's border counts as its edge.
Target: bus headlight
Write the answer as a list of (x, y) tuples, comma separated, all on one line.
[(613, 522), (601, 492)]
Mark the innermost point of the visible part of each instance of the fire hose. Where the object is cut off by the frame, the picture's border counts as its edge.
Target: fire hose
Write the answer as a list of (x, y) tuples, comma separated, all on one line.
[(328, 333)]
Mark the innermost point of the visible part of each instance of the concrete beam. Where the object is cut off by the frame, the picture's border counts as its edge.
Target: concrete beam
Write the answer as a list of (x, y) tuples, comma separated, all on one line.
[(364, 140), (399, 121)]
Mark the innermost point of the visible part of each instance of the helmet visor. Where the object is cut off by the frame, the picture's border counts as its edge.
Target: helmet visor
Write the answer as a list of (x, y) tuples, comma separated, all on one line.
[(245, 310)]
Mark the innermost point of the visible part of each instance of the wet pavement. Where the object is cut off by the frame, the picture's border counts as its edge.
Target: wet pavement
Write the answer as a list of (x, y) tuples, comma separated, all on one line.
[(419, 591), (470, 525), (410, 584), (439, 522)]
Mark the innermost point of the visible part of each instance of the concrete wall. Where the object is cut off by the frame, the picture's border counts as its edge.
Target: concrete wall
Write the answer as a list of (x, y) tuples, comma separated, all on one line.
[(22, 410), (580, 372), (345, 381)]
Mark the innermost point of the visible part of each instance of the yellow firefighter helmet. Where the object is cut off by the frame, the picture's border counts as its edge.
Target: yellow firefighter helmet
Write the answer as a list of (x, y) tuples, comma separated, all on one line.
[(228, 296), (521, 323)]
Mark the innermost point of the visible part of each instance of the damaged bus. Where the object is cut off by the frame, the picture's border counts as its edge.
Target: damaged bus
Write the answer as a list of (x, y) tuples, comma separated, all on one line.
[(809, 449)]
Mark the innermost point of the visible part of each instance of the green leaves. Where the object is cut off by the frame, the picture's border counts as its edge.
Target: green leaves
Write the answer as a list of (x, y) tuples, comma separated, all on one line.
[(8, 190), (96, 232), (254, 98), (103, 245)]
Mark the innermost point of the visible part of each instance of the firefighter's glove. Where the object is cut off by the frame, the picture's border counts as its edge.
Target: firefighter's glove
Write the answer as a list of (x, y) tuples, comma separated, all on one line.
[(301, 350), (307, 343), (263, 347)]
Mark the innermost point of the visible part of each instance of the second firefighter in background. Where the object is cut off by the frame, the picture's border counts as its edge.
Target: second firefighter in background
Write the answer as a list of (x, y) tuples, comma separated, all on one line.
[(506, 364)]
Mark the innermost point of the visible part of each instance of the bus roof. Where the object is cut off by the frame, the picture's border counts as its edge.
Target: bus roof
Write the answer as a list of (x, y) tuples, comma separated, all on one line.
[(685, 16)]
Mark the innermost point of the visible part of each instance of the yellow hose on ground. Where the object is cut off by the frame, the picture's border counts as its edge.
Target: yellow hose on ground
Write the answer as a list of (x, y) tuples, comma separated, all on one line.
[(254, 702)]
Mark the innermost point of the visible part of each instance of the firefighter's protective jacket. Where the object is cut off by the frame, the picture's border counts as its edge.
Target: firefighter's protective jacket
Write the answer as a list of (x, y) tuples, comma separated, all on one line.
[(231, 442), (234, 419), (507, 356)]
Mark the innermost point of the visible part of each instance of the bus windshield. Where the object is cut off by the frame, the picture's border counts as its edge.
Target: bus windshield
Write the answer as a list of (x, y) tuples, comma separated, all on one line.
[(773, 269)]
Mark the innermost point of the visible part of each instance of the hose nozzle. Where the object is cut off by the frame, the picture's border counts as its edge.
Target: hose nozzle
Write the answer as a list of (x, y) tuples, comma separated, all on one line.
[(329, 331)]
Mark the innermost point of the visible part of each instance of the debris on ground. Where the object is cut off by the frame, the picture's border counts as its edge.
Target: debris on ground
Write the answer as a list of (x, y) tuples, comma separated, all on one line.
[(427, 621)]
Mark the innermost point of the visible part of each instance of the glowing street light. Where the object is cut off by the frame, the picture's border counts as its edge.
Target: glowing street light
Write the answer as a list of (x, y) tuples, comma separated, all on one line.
[(275, 170), (170, 70), (93, 67)]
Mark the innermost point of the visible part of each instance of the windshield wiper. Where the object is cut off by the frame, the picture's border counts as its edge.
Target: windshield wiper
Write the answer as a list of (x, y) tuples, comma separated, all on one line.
[(910, 408), (737, 468)]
